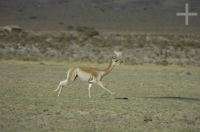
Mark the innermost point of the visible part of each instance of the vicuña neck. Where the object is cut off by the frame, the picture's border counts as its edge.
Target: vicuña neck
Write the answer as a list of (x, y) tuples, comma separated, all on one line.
[(108, 69)]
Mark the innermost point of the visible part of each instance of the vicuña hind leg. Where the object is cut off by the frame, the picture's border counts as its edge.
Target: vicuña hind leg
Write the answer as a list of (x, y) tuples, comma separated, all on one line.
[(60, 90), (71, 76), (60, 86), (57, 88)]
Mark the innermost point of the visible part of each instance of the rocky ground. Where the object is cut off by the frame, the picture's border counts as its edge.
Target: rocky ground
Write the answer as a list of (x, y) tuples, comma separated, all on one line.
[(106, 15)]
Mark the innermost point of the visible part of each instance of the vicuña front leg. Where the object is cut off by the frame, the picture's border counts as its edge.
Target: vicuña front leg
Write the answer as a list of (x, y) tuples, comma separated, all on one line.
[(89, 87), (102, 86)]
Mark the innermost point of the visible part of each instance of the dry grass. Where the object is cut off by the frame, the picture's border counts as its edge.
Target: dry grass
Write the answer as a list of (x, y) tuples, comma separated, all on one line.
[(159, 99)]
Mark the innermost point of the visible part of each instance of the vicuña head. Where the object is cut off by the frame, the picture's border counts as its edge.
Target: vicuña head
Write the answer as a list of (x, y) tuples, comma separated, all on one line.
[(88, 74)]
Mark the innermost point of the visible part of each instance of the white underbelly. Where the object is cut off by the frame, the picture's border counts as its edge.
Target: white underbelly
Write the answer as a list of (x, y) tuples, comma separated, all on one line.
[(86, 77)]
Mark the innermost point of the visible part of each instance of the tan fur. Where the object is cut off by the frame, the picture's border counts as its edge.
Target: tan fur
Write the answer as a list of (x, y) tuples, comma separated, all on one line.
[(93, 71), (108, 69)]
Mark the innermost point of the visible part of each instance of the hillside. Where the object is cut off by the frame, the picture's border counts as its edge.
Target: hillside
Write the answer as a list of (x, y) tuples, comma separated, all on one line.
[(162, 49)]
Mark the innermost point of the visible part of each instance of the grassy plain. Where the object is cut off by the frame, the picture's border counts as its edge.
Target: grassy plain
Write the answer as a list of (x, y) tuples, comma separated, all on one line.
[(160, 98)]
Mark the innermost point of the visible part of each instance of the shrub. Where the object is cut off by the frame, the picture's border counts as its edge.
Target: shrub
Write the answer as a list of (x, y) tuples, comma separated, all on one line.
[(87, 32)]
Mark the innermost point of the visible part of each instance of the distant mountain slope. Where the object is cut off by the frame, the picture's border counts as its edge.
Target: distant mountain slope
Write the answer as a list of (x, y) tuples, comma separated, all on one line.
[(107, 15)]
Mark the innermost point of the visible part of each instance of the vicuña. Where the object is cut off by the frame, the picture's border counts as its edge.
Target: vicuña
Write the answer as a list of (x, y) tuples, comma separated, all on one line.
[(90, 75)]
